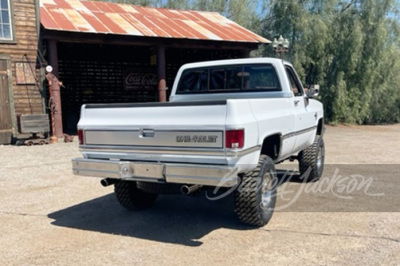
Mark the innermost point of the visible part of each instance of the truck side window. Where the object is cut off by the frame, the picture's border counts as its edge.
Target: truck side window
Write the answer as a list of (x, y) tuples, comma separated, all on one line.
[(294, 83)]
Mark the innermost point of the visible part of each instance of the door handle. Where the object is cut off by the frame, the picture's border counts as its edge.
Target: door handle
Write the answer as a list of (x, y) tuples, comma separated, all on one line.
[(296, 102)]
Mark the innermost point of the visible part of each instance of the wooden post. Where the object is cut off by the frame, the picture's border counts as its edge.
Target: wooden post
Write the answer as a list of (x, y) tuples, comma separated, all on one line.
[(53, 55), (55, 95), (162, 84), (55, 107)]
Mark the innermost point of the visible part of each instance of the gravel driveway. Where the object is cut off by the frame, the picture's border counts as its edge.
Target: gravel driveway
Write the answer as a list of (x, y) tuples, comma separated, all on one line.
[(48, 216)]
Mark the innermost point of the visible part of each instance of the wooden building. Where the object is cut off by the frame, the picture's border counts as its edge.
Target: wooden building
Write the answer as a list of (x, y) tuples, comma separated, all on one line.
[(102, 53), (20, 91), (105, 52)]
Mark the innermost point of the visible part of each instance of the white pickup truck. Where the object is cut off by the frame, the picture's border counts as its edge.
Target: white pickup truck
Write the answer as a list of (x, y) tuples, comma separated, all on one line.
[(227, 124)]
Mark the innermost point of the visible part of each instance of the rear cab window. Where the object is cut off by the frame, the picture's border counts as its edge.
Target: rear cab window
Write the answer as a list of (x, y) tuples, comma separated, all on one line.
[(229, 79)]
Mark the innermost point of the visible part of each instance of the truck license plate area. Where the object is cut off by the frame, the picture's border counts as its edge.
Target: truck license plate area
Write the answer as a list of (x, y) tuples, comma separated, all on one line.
[(147, 170), (117, 169)]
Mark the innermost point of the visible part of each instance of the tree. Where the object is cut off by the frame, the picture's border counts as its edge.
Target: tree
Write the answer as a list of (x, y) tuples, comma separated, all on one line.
[(177, 4), (243, 12), (208, 5), (350, 48)]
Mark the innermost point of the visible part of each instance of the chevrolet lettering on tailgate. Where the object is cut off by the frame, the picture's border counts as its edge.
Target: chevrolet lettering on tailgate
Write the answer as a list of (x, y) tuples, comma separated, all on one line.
[(197, 139)]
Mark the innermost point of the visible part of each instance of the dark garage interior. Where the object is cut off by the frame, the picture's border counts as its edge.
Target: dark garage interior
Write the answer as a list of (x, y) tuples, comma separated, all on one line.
[(116, 53), (100, 73)]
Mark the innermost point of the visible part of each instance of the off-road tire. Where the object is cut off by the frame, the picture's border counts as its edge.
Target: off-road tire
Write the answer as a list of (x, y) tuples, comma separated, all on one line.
[(157, 188), (312, 159), (249, 205), (131, 198)]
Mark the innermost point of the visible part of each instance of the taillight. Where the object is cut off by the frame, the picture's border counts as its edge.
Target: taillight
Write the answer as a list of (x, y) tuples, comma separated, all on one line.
[(80, 136), (234, 139)]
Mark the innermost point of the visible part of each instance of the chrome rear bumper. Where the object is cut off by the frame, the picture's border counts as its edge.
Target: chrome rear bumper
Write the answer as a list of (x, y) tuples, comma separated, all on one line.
[(208, 175)]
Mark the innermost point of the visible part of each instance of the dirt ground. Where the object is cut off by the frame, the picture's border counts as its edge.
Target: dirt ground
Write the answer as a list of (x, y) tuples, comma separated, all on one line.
[(50, 217)]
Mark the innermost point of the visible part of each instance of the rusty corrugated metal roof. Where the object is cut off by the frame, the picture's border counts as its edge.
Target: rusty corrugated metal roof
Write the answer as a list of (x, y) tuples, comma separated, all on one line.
[(111, 18)]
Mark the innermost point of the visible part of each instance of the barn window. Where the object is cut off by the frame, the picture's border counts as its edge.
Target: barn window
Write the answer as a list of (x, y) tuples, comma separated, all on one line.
[(5, 21)]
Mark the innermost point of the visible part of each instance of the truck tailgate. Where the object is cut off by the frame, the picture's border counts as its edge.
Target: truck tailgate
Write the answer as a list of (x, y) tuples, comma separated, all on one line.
[(155, 125)]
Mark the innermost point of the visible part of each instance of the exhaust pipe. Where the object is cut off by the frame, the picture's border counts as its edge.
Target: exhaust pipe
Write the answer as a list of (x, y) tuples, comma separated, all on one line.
[(108, 182), (187, 190)]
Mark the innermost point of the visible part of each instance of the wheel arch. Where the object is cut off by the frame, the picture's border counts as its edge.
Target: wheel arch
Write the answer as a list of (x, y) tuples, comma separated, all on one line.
[(272, 145), (320, 127)]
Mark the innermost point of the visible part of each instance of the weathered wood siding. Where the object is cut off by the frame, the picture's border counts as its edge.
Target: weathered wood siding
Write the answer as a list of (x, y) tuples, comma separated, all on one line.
[(27, 98)]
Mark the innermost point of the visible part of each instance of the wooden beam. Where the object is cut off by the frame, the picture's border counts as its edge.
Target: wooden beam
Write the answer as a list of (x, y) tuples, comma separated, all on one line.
[(55, 107), (53, 55), (96, 38), (162, 84)]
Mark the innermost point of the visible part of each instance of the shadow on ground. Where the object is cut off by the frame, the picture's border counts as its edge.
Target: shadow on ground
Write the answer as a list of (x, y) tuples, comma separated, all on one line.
[(184, 220), (174, 219)]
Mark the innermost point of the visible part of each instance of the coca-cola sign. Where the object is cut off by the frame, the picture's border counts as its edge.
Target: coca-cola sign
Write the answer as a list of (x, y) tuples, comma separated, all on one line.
[(140, 79)]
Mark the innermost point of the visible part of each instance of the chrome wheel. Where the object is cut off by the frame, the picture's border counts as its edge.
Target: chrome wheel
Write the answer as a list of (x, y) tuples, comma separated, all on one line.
[(320, 159), (266, 191), (255, 198), (311, 160)]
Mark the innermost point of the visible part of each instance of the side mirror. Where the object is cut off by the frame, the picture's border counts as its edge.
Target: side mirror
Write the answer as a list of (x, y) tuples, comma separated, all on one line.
[(312, 91)]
